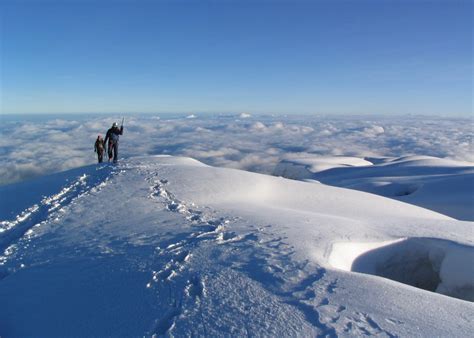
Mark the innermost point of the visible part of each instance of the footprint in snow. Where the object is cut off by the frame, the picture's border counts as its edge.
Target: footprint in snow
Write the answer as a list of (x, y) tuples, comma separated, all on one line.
[(166, 322), (182, 256), (195, 287)]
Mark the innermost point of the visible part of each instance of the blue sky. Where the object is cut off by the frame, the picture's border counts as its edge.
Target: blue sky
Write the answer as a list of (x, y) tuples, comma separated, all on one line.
[(353, 57)]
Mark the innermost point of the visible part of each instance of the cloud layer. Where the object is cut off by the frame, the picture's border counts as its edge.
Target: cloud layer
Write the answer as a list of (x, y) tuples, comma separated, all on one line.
[(45, 145)]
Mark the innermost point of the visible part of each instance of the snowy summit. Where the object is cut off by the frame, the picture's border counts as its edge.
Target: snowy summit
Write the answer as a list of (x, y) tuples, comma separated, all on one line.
[(169, 246), (275, 169)]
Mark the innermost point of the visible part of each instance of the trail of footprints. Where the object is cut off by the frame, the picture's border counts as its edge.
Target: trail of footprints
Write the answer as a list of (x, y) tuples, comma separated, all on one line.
[(205, 225), (177, 254), (19, 231), (214, 229), (311, 293), (305, 290)]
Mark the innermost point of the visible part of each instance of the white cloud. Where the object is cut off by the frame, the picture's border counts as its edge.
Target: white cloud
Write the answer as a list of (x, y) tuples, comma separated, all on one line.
[(259, 126), (373, 131), (33, 148)]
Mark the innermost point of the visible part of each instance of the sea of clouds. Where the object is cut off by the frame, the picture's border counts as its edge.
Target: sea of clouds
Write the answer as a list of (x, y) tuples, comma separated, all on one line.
[(41, 145)]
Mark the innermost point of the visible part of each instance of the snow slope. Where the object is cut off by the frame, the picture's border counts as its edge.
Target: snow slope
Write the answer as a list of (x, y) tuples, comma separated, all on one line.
[(442, 185), (170, 246)]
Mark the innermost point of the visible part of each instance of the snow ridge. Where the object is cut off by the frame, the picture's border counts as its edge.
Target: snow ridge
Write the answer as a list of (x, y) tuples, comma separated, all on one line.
[(165, 246), (48, 209)]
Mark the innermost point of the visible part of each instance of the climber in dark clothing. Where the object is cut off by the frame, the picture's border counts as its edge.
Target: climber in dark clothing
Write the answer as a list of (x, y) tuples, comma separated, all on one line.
[(99, 148), (112, 136)]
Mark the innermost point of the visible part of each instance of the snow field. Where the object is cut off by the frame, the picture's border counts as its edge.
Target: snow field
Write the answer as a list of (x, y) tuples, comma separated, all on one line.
[(166, 246), (442, 185)]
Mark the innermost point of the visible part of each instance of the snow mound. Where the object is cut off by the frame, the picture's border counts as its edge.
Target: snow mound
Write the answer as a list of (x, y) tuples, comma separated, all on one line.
[(304, 167), (424, 161), (431, 264), (438, 184)]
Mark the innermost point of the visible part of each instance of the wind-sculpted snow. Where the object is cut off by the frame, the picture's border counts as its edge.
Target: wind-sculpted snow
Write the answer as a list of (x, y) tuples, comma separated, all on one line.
[(43, 145), (168, 246), (438, 184), (431, 264)]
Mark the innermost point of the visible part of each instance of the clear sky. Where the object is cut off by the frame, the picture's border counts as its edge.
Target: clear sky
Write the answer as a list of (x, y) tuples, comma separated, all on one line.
[(374, 57)]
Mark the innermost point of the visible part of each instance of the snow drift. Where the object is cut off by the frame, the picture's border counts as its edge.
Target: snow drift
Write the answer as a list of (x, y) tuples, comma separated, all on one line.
[(442, 185), (169, 246)]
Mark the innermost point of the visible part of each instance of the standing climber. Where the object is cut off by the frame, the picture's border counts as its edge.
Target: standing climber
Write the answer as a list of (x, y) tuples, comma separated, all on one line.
[(112, 136), (99, 148)]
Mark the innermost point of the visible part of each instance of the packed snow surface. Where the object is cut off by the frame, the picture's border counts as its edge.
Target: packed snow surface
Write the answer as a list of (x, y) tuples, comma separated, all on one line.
[(168, 246)]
